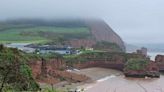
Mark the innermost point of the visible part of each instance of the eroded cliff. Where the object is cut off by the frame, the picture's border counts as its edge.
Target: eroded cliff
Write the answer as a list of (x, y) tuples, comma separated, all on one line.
[(101, 31), (53, 71)]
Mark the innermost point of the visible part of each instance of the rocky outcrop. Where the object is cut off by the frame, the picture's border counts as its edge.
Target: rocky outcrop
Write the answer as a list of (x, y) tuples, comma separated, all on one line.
[(101, 31), (151, 70), (105, 60), (53, 71), (159, 59), (118, 61)]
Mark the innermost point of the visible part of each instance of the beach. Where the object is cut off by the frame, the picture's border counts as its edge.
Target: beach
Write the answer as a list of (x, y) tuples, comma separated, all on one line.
[(109, 80)]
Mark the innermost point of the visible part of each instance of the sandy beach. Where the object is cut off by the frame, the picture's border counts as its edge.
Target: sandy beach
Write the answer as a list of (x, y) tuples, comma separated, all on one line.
[(108, 80)]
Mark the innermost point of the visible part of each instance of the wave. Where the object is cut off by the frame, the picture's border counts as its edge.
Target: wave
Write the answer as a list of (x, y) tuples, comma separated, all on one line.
[(106, 78)]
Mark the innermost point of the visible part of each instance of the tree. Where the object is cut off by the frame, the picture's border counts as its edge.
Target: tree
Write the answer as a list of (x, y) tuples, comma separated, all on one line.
[(15, 74)]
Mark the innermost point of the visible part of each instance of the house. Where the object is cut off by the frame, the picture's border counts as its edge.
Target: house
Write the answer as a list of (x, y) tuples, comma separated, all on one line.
[(21, 46), (142, 51), (55, 49)]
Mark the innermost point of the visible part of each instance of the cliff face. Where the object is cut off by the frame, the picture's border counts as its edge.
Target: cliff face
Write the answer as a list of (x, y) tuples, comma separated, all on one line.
[(117, 61), (159, 59), (102, 32), (102, 64), (53, 71), (105, 60)]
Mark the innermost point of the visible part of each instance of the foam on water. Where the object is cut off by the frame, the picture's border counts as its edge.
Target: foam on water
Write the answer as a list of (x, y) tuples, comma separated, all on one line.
[(106, 78), (154, 54)]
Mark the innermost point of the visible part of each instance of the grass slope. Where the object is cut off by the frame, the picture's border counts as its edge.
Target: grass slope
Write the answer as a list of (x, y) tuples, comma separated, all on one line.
[(35, 34)]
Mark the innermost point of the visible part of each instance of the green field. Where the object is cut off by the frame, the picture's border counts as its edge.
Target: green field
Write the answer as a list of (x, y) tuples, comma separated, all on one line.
[(39, 34)]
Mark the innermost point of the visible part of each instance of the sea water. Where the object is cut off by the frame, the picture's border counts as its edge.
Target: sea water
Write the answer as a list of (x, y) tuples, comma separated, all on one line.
[(152, 55)]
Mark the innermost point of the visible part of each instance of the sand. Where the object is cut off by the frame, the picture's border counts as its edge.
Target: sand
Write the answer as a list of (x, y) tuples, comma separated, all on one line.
[(109, 80)]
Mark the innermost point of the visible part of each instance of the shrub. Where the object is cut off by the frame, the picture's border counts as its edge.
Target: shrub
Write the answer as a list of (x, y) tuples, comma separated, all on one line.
[(136, 64), (15, 74), (107, 45)]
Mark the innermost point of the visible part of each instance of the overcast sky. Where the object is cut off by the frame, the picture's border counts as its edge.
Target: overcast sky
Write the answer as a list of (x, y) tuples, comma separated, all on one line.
[(136, 21)]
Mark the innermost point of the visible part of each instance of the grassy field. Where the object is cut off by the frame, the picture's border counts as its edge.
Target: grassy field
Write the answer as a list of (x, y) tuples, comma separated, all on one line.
[(40, 34)]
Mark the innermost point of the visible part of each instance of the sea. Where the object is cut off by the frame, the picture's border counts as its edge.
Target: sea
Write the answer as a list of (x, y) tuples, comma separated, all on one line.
[(152, 55), (114, 83)]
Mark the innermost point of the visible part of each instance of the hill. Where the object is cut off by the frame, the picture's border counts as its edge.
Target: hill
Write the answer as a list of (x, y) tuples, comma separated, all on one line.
[(103, 32), (73, 32)]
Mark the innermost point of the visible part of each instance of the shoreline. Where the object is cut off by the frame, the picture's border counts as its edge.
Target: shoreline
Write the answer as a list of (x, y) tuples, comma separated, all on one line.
[(88, 86), (120, 83), (97, 75), (109, 80), (154, 54)]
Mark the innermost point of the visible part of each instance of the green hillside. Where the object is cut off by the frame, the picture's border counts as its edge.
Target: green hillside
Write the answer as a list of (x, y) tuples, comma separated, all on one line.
[(61, 32), (38, 34)]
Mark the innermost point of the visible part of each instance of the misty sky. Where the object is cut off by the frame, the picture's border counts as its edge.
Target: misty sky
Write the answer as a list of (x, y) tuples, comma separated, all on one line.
[(136, 21)]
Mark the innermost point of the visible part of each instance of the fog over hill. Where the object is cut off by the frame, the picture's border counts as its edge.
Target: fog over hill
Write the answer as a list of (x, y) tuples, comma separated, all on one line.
[(99, 29), (131, 19)]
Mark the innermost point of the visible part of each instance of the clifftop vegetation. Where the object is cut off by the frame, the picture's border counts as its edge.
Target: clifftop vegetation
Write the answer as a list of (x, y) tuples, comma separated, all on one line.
[(107, 46), (15, 74), (101, 56), (136, 64)]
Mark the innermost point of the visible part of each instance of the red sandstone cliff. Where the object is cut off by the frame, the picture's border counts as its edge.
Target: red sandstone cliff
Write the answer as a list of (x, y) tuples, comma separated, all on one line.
[(159, 59), (101, 31), (53, 71)]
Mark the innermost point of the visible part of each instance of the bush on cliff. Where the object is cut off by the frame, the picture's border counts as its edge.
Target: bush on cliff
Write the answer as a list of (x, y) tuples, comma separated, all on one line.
[(136, 64), (15, 74), (47, 56), (107, 46), (100, 56)]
